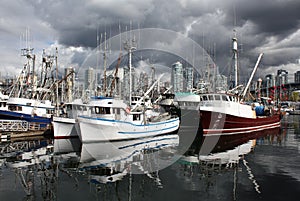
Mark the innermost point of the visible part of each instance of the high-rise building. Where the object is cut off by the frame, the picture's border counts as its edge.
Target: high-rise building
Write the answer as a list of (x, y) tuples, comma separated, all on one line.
[(297, 77), (70, 82), (144, 81), (177, 77), (268, 83), (221, 83), (89, 81), (189, 78), (282, 77)]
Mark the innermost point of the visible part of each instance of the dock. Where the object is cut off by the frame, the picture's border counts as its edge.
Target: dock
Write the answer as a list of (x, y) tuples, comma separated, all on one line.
[(13, 125), (11, 130)]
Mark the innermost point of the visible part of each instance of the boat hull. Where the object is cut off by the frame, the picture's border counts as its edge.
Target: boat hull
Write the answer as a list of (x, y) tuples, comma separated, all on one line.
[(216, 123), (9, 115), (98, 129), (64, 128)]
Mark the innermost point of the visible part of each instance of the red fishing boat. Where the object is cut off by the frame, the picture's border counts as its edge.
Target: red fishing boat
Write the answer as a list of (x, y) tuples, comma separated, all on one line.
[(228, 114), (225, 114)]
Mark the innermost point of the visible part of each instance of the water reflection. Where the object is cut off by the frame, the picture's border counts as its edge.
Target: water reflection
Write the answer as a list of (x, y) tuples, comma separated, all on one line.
[(64, 169), (208, 172), (110, 161)]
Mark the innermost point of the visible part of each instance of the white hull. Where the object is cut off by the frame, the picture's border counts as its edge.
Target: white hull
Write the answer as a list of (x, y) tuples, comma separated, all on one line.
[(106, 153), (97, 129), (64, 127)]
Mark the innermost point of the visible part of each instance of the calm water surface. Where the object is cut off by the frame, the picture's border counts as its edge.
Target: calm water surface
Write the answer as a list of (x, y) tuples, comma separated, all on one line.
[(267, 168)]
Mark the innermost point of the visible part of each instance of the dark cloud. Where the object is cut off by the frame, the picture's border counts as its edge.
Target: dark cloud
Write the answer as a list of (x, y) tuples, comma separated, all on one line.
[(271, 17), (269, 26)]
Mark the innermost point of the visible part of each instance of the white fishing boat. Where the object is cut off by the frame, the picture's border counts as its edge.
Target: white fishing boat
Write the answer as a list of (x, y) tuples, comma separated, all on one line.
[(112, 119), (65, 125), (31, 110)]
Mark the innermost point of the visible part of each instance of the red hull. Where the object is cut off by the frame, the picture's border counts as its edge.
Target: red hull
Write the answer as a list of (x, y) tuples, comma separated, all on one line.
[(221, 124)]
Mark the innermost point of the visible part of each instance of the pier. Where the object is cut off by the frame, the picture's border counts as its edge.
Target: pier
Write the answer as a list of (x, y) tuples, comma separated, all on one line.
[(13, 125), (17, 129)]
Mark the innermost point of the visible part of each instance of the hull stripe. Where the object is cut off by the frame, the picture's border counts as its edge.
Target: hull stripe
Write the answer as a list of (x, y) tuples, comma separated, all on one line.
[(208, 132), (142, 132)]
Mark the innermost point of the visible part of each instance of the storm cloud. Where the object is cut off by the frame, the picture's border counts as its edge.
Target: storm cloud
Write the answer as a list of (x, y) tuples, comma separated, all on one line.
[(268, 26)]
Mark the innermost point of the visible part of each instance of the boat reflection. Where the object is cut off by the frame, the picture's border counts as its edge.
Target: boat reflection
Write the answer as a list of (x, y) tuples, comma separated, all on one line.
[(223, 164), (111, 161)]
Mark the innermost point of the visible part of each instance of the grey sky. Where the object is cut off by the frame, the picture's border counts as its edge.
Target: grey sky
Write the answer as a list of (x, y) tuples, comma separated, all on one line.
[(269, 26)]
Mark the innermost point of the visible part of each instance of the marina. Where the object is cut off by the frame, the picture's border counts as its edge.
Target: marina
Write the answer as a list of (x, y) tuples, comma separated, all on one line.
[(185, 105)]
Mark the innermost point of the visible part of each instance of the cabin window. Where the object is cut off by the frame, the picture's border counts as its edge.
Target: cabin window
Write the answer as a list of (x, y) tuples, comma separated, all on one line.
[(136, 117), (107, 110), (224, 98), (82, 108), (50, 111), (217, 97), (211, 97), (102, 110), (69, 107), (205, 98), (14, 108)]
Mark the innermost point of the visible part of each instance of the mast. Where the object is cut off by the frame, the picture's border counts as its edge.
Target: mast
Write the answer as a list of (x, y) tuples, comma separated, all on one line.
[(27, 52), (56, 74), (130, 47), (97, 61), (104, 65), (235, 58)]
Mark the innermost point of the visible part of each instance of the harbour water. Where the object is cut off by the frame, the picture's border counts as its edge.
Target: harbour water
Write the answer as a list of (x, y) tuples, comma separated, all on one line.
[(266, 168)]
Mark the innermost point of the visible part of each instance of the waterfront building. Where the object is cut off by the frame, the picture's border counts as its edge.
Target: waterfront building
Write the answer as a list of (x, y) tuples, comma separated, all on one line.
[(221, 83), (297, 77), (177, 77), (126, 81), (282, 77), (89, 81), (144, 81), (268, 83), (189, 78), (70, 84)]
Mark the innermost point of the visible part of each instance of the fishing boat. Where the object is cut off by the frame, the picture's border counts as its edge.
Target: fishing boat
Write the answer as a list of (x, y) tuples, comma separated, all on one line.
[(112, 119), (65, 124), (225, 114), (33, 111)]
